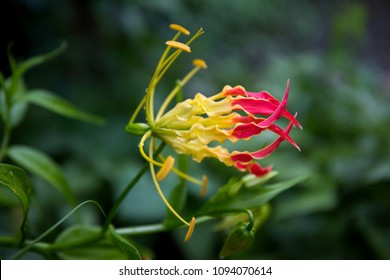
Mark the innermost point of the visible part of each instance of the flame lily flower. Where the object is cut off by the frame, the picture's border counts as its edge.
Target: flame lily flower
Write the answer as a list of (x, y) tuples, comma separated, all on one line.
[(193, 126), (232, 114)]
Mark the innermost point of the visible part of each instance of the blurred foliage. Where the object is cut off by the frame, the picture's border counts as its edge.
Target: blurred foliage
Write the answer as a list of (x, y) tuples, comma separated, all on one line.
[(334, 52)]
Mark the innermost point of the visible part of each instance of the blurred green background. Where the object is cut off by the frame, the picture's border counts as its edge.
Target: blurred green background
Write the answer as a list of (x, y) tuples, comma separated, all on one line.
[(336, 54)]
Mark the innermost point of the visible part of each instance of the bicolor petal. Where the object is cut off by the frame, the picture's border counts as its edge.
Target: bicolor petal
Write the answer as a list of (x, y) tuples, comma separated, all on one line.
[(233, 114)]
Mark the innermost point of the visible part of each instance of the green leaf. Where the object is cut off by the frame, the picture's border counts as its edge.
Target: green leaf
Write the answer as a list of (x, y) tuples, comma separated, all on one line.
[(19, 70), (16, 180), (50, 101), (2, 82), (11, 58), (18, 109), (24, 250), (84, 242), (248, 192), (42, 166), (39, 59), (124, 245)]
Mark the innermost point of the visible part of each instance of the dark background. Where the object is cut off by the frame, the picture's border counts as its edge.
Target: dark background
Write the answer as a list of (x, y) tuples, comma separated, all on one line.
[(336, 54)]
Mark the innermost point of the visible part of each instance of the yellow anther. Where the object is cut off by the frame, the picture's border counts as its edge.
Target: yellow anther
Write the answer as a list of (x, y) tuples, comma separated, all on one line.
[(178, 45), (165, 169), (204, 186), (190, 230), (200, 63), (179, 28)]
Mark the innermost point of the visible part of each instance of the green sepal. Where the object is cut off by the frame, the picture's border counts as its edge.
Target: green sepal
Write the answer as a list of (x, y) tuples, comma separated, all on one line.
[(137, 128)]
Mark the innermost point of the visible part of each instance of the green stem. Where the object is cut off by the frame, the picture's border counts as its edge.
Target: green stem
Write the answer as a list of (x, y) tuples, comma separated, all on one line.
[(126, 191), (6, 139), (30, 244), (6, 132), (154, 228), (12, 242), (47, 248)]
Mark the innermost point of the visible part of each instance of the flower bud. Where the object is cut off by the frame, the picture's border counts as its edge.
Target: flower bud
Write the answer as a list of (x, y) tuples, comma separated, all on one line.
[(239, 238)]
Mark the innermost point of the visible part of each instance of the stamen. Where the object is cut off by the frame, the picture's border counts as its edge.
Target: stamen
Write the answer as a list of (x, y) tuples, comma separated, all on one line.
[(165, 169), (190, 230), (200, 63), (162, 196), (178, 45), (179, 28), (204, 186)]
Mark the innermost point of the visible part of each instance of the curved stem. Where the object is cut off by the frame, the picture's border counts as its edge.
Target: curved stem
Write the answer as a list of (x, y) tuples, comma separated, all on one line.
[(45, 248), (31, 244), (154, 228)]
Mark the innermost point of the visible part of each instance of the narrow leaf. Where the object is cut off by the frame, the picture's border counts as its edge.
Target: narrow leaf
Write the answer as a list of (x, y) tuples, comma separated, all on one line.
[(52, 102), (42, 166), (84, 242), (2, 82), (124, 245), (24, 250), (39, 59), (11, 58), (247, 196), (19, 70), (16, 180), (18, 109)]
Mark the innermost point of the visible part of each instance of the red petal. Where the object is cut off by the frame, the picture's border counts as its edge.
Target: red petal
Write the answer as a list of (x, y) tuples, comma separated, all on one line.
[(247, 156), (282, 133), (255, 106), (246, 130), (253, 168), (263, 95), (242, 157), (265, 104), (258, 170), (247, 119), (250, 128), (236, 91), (280, 110)]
